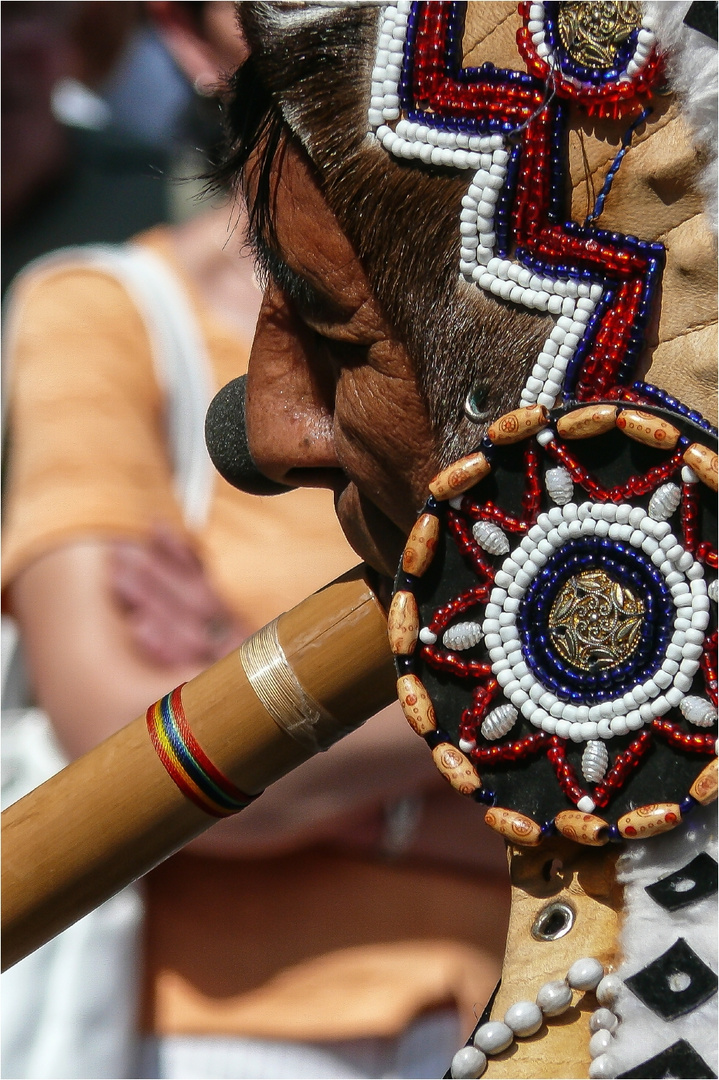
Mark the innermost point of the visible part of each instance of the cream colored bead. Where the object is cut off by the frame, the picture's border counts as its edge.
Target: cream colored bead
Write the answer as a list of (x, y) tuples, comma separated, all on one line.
[(516, 827), (416, 704), (403, 623), (649, 820), (582, 828), (421, 545), (518, 424), (647, 429), (587, 422), (456, 768), (704, 463), (460, 476), (704, 788)]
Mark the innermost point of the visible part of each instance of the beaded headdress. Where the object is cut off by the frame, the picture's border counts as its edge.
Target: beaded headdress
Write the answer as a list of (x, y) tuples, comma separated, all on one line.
[(554, 616)]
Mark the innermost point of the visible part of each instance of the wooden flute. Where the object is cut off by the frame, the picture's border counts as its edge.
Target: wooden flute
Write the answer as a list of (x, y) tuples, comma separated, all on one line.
[(295, 687)]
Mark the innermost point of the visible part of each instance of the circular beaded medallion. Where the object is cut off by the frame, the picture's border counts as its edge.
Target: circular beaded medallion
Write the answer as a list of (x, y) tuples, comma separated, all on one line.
[(553, 624)]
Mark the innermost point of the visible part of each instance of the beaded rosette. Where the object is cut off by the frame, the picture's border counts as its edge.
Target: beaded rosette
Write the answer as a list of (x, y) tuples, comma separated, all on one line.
[(552, 619), (553, 609)]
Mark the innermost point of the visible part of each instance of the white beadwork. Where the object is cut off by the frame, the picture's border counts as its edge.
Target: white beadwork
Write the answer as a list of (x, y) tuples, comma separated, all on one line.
[(499, 722), (585, 974), (493, 1037), (602, 1068), (468, 1064), (524, 1018), (490, 537), (600, 1042), (594, 761), (560, 486), (664, 502), (554, 997), (463, 635), (698, 711), (427, 636), (640, 704), (603, 1019), (487, 158), (713, 590), (609, 990)]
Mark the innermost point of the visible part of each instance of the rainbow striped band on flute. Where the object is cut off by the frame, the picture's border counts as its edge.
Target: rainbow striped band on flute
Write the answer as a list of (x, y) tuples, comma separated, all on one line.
[(186, 762)]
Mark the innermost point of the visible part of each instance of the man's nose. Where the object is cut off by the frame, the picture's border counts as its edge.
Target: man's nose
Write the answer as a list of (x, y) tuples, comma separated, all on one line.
[(289, 400)]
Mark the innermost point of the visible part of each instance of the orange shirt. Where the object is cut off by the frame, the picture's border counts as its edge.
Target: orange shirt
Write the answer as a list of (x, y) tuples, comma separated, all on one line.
[(89, 454)]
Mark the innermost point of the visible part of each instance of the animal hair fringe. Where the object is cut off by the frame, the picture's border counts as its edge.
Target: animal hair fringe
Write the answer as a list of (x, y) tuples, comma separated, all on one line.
[(692, 71)]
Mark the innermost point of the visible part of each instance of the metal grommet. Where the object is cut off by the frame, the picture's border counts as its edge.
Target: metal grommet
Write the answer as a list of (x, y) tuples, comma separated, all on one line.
[(553, 921), (474, 404)]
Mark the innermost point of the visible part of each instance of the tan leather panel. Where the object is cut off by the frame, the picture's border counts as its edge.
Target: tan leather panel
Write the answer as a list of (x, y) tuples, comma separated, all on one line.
[(585, 879)]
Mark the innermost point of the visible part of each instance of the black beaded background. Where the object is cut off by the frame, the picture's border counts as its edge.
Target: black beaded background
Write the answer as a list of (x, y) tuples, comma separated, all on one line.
[(530, 786)]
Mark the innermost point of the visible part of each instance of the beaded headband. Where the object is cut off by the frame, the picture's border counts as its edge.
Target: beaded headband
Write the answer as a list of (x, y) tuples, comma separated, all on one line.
[(554, 615)]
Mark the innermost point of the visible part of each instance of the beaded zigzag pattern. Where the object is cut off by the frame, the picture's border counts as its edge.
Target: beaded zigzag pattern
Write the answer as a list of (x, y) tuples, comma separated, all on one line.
[(508, 129)]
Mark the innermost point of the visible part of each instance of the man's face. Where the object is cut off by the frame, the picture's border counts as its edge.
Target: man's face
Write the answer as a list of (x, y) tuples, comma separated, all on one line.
[(332, 399)]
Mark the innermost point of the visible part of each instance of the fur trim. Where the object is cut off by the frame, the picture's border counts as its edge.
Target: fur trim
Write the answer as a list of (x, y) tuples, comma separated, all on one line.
[(692, 71), (649, 930)]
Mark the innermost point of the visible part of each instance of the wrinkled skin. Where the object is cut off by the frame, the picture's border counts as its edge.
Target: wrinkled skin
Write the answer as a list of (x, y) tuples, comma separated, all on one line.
[(332, 399)]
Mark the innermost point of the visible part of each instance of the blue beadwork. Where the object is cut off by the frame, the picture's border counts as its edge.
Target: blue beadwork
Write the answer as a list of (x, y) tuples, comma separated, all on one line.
[(661, 397), (624, 563), (614, 168)]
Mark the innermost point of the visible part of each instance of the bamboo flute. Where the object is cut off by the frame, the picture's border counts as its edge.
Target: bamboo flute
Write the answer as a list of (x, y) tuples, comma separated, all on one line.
[(114, 814)]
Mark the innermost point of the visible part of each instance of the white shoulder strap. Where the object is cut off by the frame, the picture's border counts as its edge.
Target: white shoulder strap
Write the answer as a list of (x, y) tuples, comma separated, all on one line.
[(181, 364)]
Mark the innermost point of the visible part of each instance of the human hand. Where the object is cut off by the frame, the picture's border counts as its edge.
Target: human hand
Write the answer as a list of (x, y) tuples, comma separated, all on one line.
[(172, 611)]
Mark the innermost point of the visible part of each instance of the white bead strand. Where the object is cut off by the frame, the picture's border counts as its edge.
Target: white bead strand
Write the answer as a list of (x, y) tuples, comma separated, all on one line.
[(525, 1018)]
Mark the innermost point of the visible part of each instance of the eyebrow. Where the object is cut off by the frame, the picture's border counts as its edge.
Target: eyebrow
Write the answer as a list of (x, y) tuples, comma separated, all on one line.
[(308, 300), (272, 265)]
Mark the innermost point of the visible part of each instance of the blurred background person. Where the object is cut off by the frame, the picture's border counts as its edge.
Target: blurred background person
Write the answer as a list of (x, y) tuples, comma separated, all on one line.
[(341, 924)]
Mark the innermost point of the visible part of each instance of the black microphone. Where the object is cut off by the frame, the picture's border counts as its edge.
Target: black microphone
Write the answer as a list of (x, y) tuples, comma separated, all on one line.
[(226, 439)]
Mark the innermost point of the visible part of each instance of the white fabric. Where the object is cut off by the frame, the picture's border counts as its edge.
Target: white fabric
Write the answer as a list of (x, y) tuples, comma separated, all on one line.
[(649, 930), (424, 1050), (69, 1010), (181, 363)]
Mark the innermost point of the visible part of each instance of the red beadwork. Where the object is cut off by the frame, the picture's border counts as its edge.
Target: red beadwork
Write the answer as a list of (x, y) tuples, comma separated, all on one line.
[(452, 664), (624, 764), (566, 776), (490, 512), (437, 87), (514, 751), (689, 515), (683, 740), (468, 545), (635, 485), (470, 598), (532, 497), (709, 666), (706, 553)]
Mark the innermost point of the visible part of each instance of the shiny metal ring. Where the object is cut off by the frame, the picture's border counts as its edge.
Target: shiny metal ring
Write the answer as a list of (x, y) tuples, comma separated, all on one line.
[(553, 922), (472, 411)]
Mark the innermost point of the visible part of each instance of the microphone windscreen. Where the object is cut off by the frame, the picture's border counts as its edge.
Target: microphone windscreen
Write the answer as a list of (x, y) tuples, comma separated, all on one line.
[(226, 439)]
